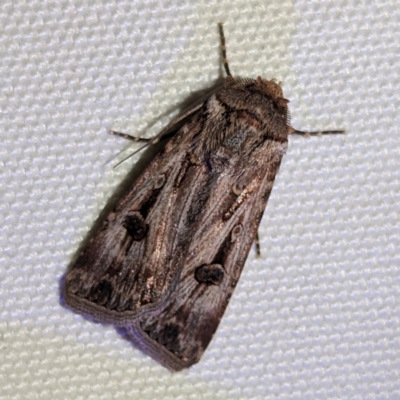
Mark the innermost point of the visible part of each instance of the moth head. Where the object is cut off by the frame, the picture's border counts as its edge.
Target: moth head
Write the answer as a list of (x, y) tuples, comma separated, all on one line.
[(273, 89)]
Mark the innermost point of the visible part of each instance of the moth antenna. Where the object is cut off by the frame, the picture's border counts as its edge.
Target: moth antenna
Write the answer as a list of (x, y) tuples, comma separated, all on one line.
[(223, 50), (316, 133)]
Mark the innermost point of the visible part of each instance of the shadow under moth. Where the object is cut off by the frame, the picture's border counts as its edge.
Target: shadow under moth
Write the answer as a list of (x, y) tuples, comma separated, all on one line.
[(166, 260)]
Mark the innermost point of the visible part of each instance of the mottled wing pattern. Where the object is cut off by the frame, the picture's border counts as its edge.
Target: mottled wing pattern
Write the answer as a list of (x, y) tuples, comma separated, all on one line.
[(179, 334), (240, 161), (168, 257), (131, 264)]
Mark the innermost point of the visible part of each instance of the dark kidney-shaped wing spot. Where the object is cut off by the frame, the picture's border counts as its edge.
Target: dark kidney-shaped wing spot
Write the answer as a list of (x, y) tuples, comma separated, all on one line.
[(169, 336), (100, 293), (211, 274), (136, 226)]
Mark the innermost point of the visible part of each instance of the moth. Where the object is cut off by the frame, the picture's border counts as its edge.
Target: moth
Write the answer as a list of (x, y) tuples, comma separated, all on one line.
[(166, 260)]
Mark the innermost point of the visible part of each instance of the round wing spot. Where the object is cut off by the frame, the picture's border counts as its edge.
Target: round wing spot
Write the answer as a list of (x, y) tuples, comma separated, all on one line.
[(237, 189), (211, 274), (159, 182), (136, 226), (236, 232)]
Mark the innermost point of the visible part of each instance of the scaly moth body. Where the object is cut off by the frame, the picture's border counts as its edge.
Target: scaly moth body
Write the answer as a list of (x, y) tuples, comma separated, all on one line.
[(166, 260)]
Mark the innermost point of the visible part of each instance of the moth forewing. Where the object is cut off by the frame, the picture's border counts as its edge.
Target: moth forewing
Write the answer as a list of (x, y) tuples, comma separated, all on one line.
[(165, 262), (127, 267), (178, 335)]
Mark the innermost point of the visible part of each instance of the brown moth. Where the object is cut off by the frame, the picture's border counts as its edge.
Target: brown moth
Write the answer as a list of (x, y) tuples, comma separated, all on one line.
[(166, 260)]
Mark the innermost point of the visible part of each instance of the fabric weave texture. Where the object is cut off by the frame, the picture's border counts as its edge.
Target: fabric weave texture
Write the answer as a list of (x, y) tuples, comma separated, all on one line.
[(318, 315)]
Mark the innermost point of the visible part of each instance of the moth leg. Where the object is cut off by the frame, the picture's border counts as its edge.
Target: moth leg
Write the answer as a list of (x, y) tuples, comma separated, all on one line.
[(315, 133), (130, 137), (257, 243), (135, 139)]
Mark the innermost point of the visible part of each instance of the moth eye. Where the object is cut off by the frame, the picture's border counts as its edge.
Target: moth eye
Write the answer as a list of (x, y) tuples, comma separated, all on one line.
[(136, 226), (211, 274), (159, 182), (236, 232)]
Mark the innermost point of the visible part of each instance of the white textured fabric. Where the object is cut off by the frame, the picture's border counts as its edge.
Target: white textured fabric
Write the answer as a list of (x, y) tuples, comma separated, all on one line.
[(318, 316)]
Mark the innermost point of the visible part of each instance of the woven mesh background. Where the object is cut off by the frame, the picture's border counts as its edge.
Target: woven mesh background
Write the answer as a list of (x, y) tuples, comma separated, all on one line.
[(318, 316)]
